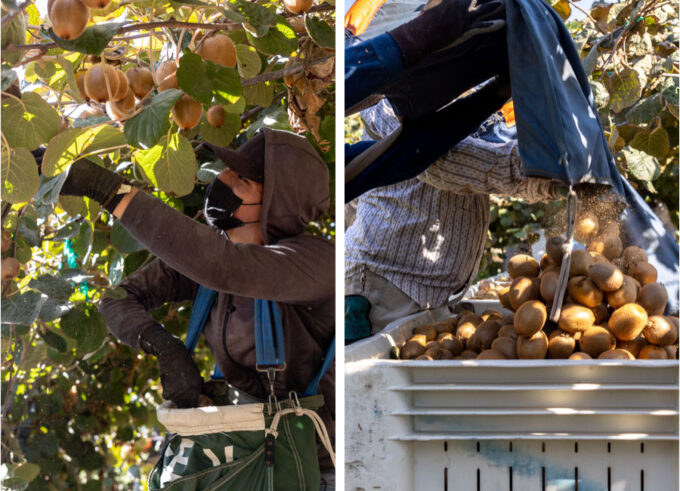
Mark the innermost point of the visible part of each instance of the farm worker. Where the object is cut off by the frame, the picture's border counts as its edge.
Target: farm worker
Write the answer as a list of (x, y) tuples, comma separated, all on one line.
[(421, 66), (414, 244), (253, 246)]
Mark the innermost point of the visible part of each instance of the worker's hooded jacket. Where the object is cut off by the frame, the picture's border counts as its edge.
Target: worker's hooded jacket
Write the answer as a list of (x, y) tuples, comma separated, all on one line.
[(293, 269)]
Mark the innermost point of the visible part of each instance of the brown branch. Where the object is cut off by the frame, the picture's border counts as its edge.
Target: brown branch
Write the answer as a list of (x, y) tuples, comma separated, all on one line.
[(9, 15), (587, 14), (266, 77)]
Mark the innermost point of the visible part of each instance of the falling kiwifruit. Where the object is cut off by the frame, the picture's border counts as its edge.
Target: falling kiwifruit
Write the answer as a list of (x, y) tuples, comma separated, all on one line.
[(483, 336), (660, 331), (122, 108), (216, 116), (607, 277), (633, 255), (96, 80), (504, 297), (69, 18), (561, 344), (652, 352), (426, 330), (451, 343), (626, 294), (601, 312), (580, 355), (80, 82), (522, 290), (187, 112), (10, 268), (616, 354), (298, 6), (586, 225), (628, 321), (96, 4), (584, 291), (653, 297), (548, 286), (609, 245), (633, 346), (490, 354), (140, 81), (554, 249), (523, 265), (595, 340), (123, 86), (643, 272), (219, 49), (575, 318), (530, 318), (412, 349), (580, 262), (532, 348), (505, 346)]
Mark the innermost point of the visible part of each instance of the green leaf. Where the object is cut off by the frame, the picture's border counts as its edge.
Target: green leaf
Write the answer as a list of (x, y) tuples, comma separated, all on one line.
[(52, 286), (324, 35), (223, 135), (105, 137), (590, 61), (254, 13), (54, 340), (20, 175), (226, 83), (92, 41), (82, 242), (145, 129), (249, 62), (13, 32), (22, 308), (670, 91), (260, 94), (29, 122), (624, 89), (116, 268), (641, 165), (52, 310), (280, 40), (237, 107), (659, 143), (45, 70), (193, 79), (645, 110), (27, 471), (86, 326), (49, 189), (8, 78), (231, 14), (600, 94), (170, 165), (68, 231), (123, 241), (210, 170), (14, 484)]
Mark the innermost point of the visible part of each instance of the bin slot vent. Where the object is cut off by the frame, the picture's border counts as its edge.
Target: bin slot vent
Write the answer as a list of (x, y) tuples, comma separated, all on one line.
[(542, 478), (576, 478), (642, 480), (609, 479), (446, 479), (510, 476), (479, 480)]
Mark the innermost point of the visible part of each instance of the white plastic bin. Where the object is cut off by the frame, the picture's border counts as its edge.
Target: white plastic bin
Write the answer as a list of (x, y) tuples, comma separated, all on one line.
[(522, 425)]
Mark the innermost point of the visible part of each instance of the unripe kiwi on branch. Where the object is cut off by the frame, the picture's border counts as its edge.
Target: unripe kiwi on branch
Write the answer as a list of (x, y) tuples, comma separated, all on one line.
[(80, 82), (219, 49), (96, 79), (166, 76), (140, 81), (91, 112), (69, 18), (96, 4), (216, 116), (122, 108), (187, 112), (10, 268), (298, 6), (123, 86)]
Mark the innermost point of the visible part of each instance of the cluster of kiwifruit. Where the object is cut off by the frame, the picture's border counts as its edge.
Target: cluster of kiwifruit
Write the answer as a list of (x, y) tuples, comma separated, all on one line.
[(613, 309), (69, 17)]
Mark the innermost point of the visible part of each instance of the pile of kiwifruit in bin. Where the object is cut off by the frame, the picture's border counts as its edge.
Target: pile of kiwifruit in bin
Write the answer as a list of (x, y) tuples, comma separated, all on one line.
[(613, 309)]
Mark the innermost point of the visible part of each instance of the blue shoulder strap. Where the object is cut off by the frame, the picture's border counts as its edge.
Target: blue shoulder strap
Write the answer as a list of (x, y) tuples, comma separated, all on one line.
[(313, 387), (199, 314)]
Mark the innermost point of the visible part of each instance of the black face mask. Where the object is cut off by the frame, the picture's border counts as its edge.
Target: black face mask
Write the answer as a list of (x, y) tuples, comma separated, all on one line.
[(220, 205)]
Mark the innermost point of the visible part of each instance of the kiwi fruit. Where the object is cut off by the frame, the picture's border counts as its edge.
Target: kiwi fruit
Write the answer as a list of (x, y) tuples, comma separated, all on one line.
[(653, 297), (468, 355), (465, 330), (522, 290), (607, 277), (575, 318), (504, 298), (584, 291), (507, 331), (580, 262), (140, 81), (426, 330), (633, 346), (96, 4), (69, 18), (561, 344), (412, 349), (586, 225), (652, 352), (660, 331), (123, 86), (122, 108), (505, 346), (548, 285), (490, 354), (469, 317), (446, 355), (6, 240), (490, 313), (671, 351), (643, 272), (433, 345), (434, 353), (532, 348), (601, 312), (628, 321), (91, 112), (530, 318), (166, 76), (443, 327), (424, 357), (554, 249), (96, 80), (216, 116), (579, 355), (523, 265), (298, 6), (633, 255), (451, 343), (10, 268), (595, 340), (219, 49), (616, 354), (80, 82), (483, 336), (187, 112), (626, 294), (609, 245), (545, 262), (599, 258)]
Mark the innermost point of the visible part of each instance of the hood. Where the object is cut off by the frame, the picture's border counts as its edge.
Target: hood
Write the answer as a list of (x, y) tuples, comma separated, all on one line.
[(295, 189)]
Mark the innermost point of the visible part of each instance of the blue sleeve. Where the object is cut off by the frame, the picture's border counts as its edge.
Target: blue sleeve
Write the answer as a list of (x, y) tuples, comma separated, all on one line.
[(369, 66)]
